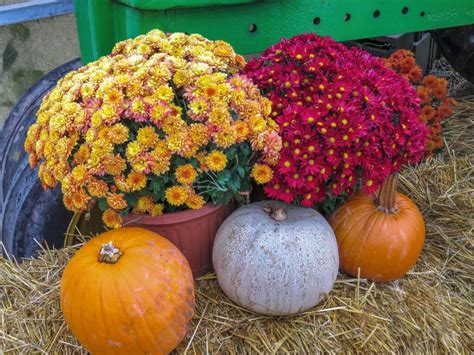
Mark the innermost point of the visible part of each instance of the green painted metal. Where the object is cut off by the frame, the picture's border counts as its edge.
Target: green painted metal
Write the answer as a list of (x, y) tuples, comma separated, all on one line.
[(252, 27), (174, 4)]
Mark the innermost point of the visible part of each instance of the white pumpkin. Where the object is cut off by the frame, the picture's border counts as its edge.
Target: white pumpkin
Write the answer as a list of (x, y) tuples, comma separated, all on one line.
[(272, 265)]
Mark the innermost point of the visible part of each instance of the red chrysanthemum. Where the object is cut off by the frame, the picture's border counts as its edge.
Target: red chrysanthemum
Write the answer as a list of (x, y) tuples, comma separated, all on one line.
[(344, 118)]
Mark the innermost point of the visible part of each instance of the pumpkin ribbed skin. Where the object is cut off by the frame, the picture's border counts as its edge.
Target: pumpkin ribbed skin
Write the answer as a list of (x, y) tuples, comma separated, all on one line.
[(140, 304), (384, 245)]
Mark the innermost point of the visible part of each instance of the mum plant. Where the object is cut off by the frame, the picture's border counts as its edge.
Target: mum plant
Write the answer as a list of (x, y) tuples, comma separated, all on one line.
[(162, 124), (346, 120), (432, 91)]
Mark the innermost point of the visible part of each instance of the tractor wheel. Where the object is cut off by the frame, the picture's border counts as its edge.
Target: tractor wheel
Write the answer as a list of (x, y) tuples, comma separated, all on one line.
[(457, 46)]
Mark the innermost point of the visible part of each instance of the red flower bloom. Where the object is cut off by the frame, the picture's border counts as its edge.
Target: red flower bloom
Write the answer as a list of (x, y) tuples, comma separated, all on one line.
[(344, 117)]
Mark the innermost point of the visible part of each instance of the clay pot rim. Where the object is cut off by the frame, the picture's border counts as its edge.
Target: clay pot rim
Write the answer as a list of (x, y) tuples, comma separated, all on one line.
[(173, 217)]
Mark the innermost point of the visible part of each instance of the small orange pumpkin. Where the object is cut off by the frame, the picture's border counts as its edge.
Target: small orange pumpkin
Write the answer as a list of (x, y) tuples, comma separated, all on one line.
[(382, 235), (128, 291)]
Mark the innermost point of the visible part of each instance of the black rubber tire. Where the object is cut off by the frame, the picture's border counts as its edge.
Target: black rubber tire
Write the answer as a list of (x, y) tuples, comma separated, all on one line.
[(29, 216), (457, 46)]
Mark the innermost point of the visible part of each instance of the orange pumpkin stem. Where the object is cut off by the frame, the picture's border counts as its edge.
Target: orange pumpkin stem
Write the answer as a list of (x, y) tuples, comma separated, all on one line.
[(388, 194), (276, 212), (109, 254)]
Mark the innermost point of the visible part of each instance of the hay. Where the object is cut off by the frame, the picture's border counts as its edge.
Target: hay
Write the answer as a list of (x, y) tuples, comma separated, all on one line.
[(427, 311)]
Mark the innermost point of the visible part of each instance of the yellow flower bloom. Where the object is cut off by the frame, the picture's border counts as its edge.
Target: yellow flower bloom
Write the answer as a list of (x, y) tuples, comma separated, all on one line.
[(195, 201), (216, 161), (185, 174), (79, 200), (102, 148), (82, 154), (138, 106), (116, 201), (181, 78), (114, 164), (79, 174), (97, 188), (176, 142), (176, 195), (160, 165), (262, 173), (157, 209), (118, 133), (136, 181), (58, 123), (258, 124), (144, 204), (133, 149), (112, 219), (198, 109), (147, 137), (199, 133), (121, 183), (242, 130), (113, 97), (226, 136)]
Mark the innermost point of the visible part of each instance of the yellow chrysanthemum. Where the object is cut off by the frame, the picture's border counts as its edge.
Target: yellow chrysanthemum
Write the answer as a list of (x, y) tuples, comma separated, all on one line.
[(144, 204), (157, 209), (133, 149), (176, 195), (118, 133), (176, 142), (262, 173), (216, 161), (172, 125), (199, 133), (114, 164), (102, 148), (195, 201), (185, 174), (79, 200), (97, 188), (242, 130), (113, 97), (226, 136), (258, 124), (164, 93), (80, 174), (82, 154), (136, 181), (121, 183), (116, 201), (181, 78), (138, 106), (161, 165), (112, 219), (198, 109), (147, 137)]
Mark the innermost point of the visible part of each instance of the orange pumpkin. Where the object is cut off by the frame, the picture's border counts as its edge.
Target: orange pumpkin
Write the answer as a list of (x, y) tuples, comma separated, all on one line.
[(382, 235), (128, 291)]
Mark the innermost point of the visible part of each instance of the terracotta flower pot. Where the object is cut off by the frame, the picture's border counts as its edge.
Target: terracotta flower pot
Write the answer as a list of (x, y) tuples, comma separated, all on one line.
[(192, 231)]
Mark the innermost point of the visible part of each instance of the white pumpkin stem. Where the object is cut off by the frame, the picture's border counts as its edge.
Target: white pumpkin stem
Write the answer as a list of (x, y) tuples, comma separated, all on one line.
[(388, 194), (277, 213), (109, 254)]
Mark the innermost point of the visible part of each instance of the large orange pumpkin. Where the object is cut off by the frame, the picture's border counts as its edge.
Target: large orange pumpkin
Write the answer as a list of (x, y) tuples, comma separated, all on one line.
[(128, 291), (382, 235)]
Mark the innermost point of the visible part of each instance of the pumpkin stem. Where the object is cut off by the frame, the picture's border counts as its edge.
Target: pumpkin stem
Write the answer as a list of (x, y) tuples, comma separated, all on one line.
[(388, 194), (277, 213), (109, 254)]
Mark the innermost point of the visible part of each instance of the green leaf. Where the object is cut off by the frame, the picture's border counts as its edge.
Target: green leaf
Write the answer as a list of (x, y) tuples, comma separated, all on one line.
[(103, 205), (131, 198), (241, 171)]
